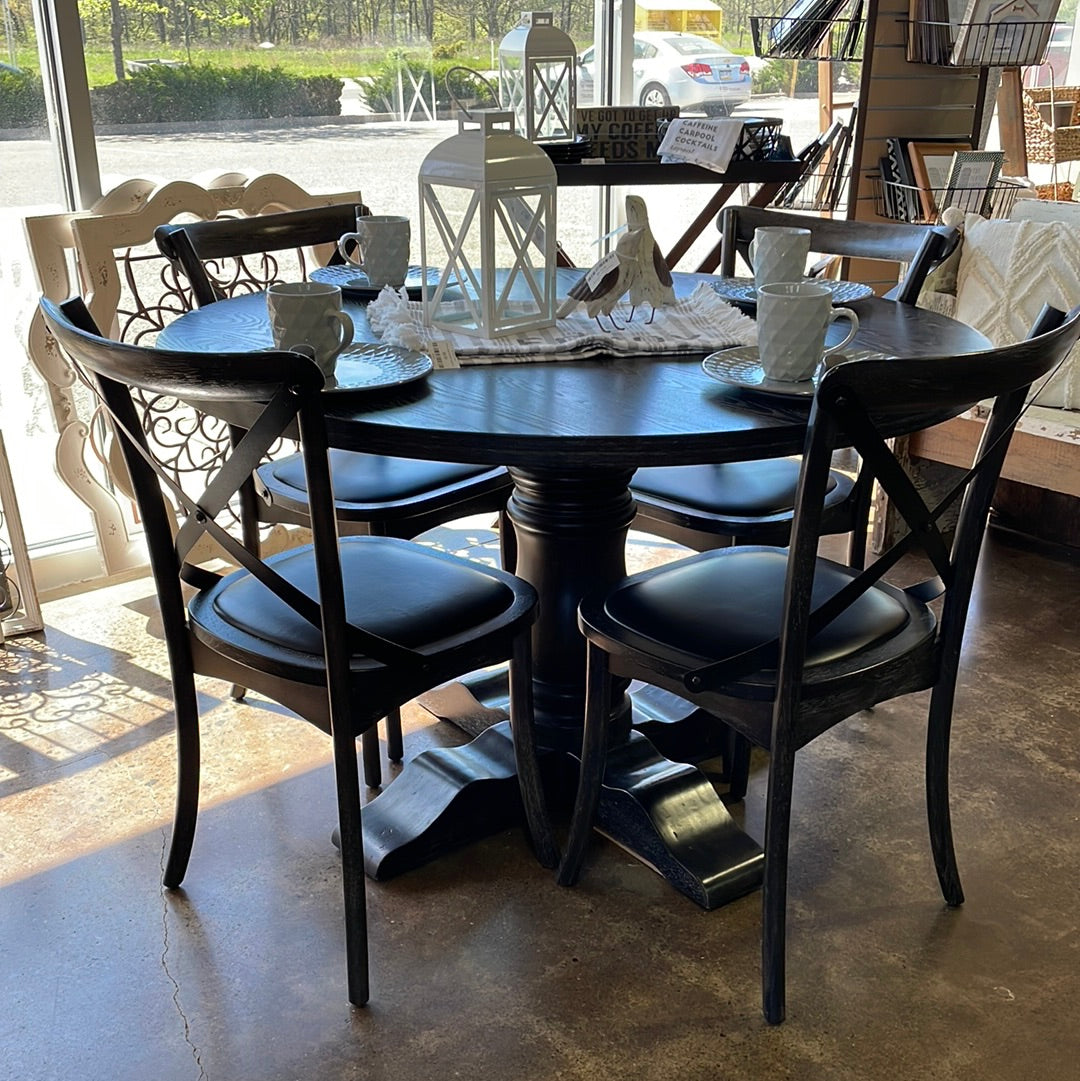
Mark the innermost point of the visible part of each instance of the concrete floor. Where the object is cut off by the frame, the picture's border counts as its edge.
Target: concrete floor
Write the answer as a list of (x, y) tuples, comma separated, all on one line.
[(482, 966)]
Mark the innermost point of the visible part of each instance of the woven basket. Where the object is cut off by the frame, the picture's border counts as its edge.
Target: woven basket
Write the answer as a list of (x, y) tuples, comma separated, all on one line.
[(1061, 192), (1046, 145)]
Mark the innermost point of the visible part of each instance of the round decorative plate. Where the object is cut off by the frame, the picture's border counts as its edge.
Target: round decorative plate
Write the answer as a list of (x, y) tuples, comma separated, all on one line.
[(741, 367), (743, 290), (374, 366), (355, 285)]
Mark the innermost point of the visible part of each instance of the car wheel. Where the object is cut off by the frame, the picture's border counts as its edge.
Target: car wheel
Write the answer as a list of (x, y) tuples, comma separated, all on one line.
[(654, 96)]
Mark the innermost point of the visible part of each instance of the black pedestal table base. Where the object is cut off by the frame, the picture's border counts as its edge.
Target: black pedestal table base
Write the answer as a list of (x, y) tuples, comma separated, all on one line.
[(571, 530)]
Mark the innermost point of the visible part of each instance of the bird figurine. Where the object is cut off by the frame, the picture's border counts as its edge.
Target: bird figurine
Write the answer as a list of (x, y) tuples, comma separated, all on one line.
[(652, 283), (605, 283)]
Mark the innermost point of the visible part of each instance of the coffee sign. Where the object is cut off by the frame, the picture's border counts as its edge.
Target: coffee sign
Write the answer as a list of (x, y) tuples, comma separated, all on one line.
[(623, 133)]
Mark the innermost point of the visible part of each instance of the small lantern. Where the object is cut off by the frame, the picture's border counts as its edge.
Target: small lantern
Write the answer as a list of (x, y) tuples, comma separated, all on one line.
[(487, 222), (538, 78)]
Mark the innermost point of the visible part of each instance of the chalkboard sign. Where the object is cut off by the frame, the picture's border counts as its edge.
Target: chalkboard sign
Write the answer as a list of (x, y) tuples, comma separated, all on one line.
[(623, 132)]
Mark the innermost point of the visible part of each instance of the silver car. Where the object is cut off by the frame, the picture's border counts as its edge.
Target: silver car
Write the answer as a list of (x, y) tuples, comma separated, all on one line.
[(677, 69)]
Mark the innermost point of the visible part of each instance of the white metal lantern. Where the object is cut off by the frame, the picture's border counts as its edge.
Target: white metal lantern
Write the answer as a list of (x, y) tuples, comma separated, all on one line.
[(538, 78), (487, 222)]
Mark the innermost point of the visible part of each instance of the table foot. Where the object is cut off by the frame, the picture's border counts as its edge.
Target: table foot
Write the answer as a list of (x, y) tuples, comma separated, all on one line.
[(443, 799), (668, 815)]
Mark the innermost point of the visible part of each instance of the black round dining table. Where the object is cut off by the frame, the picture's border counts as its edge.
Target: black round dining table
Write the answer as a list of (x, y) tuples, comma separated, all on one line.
[(572, 433)]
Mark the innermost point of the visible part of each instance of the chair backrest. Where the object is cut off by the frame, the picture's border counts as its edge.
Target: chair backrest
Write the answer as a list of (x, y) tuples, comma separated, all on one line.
[(921, 247), (863, 403), (289, 385), (227, 256)]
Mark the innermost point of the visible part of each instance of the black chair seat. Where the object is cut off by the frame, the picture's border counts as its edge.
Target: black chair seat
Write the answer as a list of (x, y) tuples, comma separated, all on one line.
[(374, 482), (737, 489), (415, 596), (722, 603)]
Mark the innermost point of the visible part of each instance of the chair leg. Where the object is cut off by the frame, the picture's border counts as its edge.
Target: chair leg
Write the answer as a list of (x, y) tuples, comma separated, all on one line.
[(351, 835), (507, 542), (937, 790), (187, 786), (861, 521), (371, 755), (593, 756), (395, 745), (774, 897), (737, 765), (525, 754)]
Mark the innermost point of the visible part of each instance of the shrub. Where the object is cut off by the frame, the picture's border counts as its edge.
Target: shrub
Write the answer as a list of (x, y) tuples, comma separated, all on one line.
[(379, 91), (22, 100), (201, 92), (774, 77)]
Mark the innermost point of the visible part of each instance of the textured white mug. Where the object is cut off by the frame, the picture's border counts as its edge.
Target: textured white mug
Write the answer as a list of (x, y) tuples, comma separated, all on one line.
[(792, 318), (382, 242), (309, 313), (778, 254)]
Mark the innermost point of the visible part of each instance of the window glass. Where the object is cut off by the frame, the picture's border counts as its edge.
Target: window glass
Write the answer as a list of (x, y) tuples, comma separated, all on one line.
[(29, 185)]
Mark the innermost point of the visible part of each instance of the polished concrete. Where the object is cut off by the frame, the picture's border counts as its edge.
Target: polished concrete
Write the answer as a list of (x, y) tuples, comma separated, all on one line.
[(481, 966)]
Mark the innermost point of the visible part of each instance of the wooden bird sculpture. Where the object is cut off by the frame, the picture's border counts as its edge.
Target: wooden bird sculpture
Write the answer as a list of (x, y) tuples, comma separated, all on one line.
[(652, 283), (604, 285)]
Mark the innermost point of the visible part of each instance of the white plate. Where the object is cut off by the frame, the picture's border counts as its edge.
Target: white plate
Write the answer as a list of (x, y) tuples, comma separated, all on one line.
[(743, 290), (374, 366), (741, 367)]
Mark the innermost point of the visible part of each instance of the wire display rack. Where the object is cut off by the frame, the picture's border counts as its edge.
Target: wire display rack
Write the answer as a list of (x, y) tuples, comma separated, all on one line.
[(791, 38), (1003, 43), (908, 202)]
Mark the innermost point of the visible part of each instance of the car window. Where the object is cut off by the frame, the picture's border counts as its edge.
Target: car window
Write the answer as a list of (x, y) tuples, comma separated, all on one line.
[(643, 50), (692, 46), (586, 57)]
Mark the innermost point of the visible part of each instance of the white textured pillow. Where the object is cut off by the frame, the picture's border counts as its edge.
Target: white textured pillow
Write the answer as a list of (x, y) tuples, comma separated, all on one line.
[(1008, 270)]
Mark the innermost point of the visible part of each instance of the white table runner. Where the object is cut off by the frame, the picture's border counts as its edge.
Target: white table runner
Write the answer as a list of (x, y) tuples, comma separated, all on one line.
[(701, 322)]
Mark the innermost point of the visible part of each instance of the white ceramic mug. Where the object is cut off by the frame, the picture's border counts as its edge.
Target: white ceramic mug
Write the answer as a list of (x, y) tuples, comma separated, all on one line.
[(309, 314), (778, 253), (382, 242), (792, 318)]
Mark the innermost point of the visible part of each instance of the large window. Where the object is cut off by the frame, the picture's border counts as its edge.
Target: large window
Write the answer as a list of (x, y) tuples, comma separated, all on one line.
[(183, 90)]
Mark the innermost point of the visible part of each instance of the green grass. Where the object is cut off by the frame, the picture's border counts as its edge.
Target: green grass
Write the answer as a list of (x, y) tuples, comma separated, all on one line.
[(311, 60)]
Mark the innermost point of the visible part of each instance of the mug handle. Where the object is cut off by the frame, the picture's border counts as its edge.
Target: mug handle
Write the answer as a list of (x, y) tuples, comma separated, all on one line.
[(358, 240), (346, 323), (843, 313)]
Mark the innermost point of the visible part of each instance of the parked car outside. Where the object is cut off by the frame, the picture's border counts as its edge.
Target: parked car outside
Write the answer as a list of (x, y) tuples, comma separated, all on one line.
[(677, 69)]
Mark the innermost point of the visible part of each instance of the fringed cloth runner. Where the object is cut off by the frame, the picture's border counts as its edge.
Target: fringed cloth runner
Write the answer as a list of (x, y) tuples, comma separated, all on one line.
[(699, 323)]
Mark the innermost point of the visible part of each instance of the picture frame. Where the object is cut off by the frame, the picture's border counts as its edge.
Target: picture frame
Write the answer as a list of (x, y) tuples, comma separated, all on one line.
[(931, 164), (1004, 33), (971, 180)]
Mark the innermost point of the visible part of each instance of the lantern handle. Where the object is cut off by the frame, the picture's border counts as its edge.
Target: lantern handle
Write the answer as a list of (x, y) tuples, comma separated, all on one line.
[(478, 77)]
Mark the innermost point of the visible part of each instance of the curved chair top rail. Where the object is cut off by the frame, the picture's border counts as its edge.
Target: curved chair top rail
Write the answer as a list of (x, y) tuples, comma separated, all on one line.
[(928, 384), (202, 376)]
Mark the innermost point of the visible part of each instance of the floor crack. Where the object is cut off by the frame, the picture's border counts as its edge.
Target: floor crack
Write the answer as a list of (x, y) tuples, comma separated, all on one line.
[(196, 1054)]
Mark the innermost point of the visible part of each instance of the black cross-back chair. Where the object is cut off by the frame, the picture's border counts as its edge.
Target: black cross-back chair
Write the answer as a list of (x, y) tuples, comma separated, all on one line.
[(340, 631), (782, 644), (375, 494), (714, 505)]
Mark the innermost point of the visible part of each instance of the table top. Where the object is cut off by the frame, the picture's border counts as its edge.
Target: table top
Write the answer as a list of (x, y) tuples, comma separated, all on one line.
[(647, 173), (599, 412)]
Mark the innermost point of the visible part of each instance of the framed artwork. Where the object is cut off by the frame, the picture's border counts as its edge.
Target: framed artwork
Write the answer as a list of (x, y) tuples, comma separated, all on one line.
[(972, 179), (1006, 33), (931, 164)]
